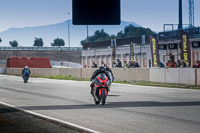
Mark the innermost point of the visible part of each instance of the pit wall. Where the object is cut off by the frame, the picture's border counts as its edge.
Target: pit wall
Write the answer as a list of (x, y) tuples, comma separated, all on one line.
[(175, 75), (189, 76)]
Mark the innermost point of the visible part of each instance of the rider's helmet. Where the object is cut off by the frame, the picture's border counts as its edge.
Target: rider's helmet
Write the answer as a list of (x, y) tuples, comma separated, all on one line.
[(26, 67), (101, 69)]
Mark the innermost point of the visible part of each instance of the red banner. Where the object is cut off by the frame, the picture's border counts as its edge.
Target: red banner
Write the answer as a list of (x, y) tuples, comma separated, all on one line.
[(33, 62)]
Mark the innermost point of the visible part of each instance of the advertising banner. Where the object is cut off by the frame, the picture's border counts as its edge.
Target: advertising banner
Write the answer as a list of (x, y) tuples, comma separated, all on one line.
[(131, 52), (154, 51), (185, 48)]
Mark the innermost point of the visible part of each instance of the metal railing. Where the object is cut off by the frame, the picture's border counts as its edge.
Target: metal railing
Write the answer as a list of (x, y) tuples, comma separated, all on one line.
[(120, 42), (40, 49), (175, 35)]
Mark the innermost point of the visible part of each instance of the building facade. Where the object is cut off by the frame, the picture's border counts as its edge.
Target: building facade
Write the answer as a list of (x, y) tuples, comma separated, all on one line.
[(169, 45)]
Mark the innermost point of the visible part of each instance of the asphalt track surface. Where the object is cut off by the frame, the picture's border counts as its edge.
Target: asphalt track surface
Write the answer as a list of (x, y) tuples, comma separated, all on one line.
[(16, 121), (129, 108)]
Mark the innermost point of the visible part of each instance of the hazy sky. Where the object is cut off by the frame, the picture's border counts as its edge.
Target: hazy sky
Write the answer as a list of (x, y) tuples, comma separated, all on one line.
[(147, 13)]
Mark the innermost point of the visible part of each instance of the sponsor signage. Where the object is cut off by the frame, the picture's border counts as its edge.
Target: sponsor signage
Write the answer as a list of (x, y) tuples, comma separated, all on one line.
[(131, 51), (154, 50), (185, 48), (172, 46), (162, 47), (196, 44)]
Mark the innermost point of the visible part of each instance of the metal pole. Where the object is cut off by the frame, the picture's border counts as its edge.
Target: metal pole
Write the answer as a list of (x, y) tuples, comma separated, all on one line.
[(180, 25), (87, 33), (68, 32), (140, 55)]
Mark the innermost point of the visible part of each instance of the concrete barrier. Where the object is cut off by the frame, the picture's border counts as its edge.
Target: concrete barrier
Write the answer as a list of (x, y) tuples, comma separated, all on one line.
[(143, 74), (173, 75), (2, 70), (9, 71), (45, 72), (157, 75), (198, 76), (76, 72), (133, 74), (187, 76), (161, 75), (17, 71), (87, 72), (119, 74), (34, 71)]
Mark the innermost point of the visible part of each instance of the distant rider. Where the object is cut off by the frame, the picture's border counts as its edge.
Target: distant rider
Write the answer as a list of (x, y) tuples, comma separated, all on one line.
[(26, 71), (95, 74)]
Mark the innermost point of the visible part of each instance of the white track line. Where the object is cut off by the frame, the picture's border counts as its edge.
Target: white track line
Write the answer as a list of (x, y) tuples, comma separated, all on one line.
[(54, 120)]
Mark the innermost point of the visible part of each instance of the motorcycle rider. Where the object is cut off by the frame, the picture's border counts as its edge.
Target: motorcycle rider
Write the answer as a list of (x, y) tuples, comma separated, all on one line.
[(110, 73), (26, 72), (111, 76), (95, 74)]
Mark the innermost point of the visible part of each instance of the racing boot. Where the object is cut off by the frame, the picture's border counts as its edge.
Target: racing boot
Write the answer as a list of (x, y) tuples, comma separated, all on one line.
[(92, 89)]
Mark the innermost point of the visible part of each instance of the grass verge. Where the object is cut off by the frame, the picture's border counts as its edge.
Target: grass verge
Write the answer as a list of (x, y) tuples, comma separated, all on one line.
[(64, 78), (169, 85)]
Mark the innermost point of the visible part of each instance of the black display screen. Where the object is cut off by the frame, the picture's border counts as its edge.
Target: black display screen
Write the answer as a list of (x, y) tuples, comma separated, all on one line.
[(196, 44), (162, 46), (172, 46), (96, 12)]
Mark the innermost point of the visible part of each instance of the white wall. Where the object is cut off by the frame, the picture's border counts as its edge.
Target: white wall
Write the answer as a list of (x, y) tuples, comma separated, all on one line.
[(198, 76), (2, 70), (161, 75)]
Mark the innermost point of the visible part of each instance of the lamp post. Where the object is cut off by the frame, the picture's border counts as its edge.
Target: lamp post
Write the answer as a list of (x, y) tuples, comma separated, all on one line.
[(180, 25), (68, 31), (87, 33)]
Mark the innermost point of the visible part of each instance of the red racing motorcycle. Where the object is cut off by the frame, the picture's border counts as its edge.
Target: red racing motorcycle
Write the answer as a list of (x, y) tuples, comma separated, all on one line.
[(100, 90)]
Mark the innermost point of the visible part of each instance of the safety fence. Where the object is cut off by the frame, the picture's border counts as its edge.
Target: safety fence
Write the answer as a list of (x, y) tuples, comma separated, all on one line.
[(40, 48)]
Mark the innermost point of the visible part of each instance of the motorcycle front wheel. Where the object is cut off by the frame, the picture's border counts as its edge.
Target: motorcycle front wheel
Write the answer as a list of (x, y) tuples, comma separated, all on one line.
[(103, 97)]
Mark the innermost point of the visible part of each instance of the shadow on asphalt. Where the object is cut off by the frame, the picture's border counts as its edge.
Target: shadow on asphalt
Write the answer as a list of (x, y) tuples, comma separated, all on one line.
[(14, 121), (114, 95), (115, 105)]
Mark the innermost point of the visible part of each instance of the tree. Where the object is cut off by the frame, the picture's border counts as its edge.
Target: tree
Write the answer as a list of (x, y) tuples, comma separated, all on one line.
[(132, 31), (99, 35), (38, 42), (58, 42), (13, 43)]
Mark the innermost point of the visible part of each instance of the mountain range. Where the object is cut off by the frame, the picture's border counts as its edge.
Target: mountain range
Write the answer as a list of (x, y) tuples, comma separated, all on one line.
[(25, 36)]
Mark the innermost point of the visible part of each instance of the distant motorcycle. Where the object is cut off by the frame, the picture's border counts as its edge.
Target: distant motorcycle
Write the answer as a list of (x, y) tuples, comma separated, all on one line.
[(100, 90), (25, 75)]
